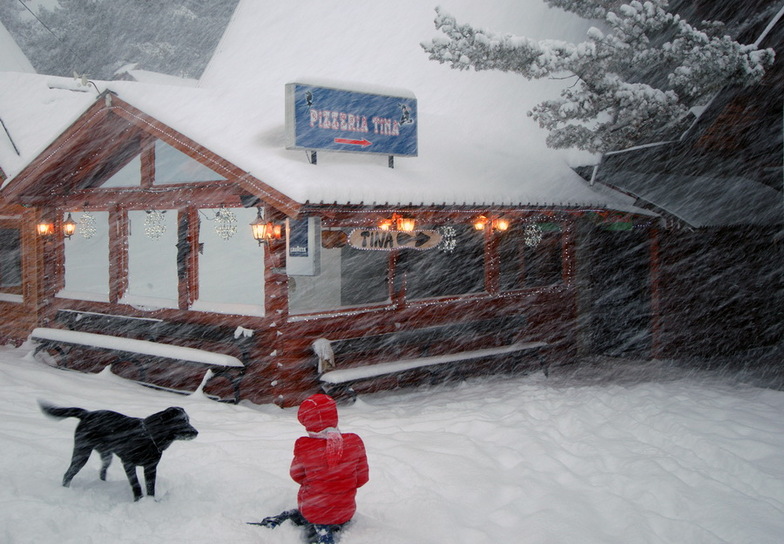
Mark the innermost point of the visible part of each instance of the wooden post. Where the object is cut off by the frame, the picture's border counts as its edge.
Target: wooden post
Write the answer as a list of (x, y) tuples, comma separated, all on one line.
[(492, 260), (656, 325), (118, 253)]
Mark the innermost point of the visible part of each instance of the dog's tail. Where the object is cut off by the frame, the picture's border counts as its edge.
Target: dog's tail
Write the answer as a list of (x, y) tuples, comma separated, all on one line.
[(60, 413)]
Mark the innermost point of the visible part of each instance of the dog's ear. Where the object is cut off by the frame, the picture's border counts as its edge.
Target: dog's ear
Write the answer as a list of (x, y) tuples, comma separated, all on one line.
[(170, 415), (175, 412)]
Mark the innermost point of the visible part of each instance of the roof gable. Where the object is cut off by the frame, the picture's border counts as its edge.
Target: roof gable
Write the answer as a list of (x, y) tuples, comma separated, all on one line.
[(108, 136)]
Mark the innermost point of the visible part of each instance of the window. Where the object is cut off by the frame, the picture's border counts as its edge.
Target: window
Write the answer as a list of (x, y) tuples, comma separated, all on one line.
[(530, 255), (10, 261), (231, 266), (152, 258), (173, 166), (347, 277), (129, 175), (439, 272), (87, 258)]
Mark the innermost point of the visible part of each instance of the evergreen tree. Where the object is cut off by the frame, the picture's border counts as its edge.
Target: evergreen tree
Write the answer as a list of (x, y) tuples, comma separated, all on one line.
[(635, 80)]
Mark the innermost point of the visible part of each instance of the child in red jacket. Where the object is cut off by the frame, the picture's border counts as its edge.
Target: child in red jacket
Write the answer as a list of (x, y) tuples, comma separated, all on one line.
[(329, 466)]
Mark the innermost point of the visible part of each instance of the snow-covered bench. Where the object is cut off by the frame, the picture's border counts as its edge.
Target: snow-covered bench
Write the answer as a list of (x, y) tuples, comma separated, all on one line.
[(404, 356), (55, 346), (41, 335), (152, 368)]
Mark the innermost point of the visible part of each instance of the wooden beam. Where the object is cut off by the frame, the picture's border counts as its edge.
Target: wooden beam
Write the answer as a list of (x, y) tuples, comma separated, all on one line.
[(206, 195)]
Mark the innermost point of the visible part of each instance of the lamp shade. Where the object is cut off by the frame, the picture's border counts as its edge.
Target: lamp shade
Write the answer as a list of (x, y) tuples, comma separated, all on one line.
[(69, 226)]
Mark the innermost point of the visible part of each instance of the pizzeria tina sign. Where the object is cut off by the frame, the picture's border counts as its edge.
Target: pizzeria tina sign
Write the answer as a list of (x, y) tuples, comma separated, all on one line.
[(324, 118)]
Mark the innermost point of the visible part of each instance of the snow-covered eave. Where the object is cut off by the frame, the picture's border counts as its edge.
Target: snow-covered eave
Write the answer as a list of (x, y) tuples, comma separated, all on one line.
[(474, 208), (661, 211), (25, 155), (698, 210), (28, 175)]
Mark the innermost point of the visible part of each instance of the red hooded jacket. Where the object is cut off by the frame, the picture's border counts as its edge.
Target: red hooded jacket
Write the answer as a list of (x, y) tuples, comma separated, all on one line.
[(328, 465)]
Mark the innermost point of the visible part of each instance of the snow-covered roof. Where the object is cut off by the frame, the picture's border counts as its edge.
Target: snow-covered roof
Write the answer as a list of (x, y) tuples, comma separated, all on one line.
[(703, 201), (131, 72), (476, 142), (35, 109), (12, 58)]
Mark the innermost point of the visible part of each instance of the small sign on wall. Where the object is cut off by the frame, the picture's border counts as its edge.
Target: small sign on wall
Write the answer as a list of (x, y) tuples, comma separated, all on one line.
[(303, 246)]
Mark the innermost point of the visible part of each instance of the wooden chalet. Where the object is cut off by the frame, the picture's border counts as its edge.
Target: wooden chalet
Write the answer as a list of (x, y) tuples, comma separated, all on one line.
[(718, 260), (127, 236)]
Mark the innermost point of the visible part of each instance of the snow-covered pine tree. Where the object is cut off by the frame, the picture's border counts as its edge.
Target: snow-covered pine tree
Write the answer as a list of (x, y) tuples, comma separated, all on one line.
[(635, 79)]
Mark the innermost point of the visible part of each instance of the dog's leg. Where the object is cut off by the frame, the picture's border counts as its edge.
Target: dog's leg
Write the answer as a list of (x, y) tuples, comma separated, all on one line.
[(80, 456), (130, 471), (106, 460), (150, 473)]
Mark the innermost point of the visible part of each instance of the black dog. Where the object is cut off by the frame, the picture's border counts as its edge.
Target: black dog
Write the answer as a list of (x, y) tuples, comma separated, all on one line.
[(137, 442)]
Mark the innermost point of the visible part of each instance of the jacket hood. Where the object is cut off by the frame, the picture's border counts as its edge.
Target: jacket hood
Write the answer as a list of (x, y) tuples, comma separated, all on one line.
[(317, 413)]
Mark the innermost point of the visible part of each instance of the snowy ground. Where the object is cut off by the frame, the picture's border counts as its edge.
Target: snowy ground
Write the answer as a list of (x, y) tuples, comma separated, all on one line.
[(644, 453)]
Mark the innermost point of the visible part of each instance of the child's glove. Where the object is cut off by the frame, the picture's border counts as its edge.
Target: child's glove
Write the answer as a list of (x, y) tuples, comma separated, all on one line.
[(271, 522)]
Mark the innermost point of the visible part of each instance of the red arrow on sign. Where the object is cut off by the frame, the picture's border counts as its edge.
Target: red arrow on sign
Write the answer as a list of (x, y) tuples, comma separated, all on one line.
[(352, 142)]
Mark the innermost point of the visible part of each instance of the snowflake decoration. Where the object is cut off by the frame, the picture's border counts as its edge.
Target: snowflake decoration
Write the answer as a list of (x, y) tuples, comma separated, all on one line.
[(225, 223), (87, 225), (532, 235), (154, 225), (448, 241)]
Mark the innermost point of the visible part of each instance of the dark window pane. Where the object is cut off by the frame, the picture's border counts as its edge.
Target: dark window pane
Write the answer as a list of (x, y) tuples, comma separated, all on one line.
[(363, 276), (10, 258), (437, 273), (543, 261), (530, 255)]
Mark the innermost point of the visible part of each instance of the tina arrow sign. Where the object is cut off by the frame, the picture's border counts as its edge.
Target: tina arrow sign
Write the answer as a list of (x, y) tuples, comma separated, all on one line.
[(387, 240)]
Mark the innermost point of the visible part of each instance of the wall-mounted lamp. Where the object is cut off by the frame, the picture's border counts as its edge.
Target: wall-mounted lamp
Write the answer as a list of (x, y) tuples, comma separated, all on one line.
[(398, 222), (499, 224), (45, 228), (69, 227), (263, 230)]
